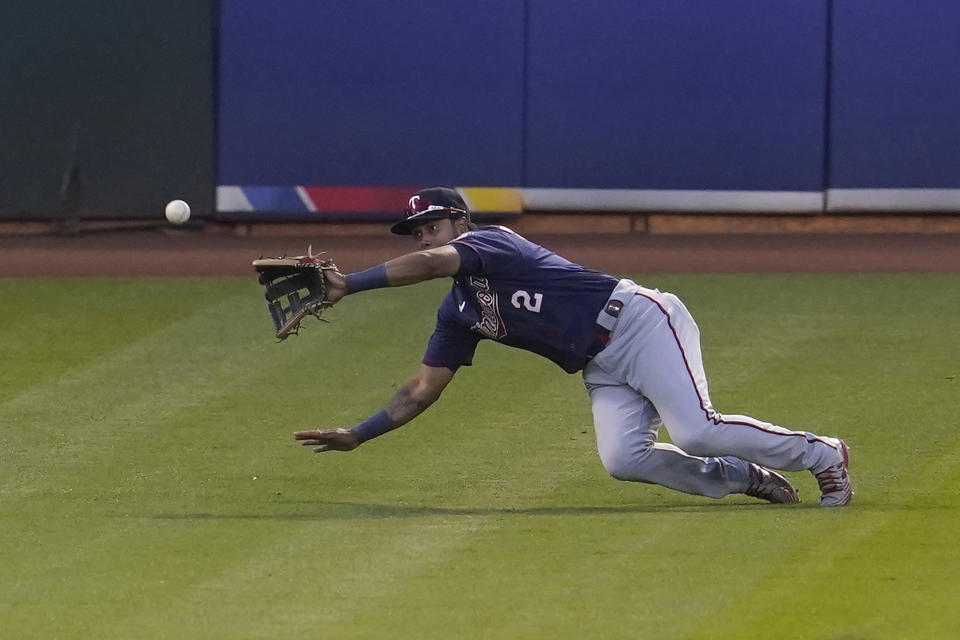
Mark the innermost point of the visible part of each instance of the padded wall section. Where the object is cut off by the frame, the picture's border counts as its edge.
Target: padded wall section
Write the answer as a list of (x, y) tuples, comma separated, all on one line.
[(686, 94), (370, 92), (895, 94)]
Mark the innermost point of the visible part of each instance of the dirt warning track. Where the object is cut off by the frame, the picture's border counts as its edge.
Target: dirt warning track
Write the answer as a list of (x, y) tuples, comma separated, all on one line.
[(186, 252)]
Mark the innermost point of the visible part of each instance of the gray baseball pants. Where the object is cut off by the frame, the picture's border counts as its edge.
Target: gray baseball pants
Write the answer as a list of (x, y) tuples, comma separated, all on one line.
[(651, 373)]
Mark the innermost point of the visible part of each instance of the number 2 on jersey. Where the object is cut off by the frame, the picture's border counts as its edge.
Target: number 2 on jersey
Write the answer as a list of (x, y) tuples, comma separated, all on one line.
[(528, 303)]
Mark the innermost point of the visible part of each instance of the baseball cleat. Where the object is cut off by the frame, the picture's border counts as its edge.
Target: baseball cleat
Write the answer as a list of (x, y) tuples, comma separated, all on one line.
[(836, 490), (770, 486)]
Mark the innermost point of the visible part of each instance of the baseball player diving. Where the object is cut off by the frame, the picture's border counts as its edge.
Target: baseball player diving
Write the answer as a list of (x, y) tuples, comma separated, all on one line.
[(638, 350)]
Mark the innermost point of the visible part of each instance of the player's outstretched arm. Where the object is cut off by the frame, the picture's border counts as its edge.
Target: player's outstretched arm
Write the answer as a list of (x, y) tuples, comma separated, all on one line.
[(440, 262), (412, 268), (411, 400)]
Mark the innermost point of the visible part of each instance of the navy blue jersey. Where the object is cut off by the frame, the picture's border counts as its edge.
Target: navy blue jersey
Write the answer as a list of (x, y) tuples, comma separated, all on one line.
[(516, 292)]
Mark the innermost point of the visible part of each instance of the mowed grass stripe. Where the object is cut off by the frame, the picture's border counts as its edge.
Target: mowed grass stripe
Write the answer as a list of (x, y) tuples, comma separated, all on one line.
[(868, 571), (648, 572), (283, 578), (84, 414), (315, 587), (490, 516), (223, 351), (115, 442), (59, 324), (73, 453), (141, 353)]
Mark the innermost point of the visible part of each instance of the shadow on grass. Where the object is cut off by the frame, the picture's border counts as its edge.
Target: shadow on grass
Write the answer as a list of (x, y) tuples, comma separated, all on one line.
[(362, 510)]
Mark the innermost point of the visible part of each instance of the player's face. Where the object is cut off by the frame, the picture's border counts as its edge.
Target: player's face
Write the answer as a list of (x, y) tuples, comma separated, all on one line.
[(435, 233)]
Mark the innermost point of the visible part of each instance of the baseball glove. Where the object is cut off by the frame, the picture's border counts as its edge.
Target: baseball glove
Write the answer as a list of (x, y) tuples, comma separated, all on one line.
[(295, 287)]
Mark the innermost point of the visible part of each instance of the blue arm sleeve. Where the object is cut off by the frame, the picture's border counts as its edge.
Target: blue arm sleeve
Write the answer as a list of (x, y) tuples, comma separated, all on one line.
[(376, 425), (372, 278)]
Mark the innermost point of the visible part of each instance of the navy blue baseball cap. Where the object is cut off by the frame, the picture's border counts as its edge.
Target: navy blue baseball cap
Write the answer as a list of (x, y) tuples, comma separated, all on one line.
[(434, 203)]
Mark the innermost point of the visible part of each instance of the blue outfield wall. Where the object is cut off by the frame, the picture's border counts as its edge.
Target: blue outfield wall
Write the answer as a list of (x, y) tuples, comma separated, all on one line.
[(686, 94), (557, 97), (370, 92), (895, 117)]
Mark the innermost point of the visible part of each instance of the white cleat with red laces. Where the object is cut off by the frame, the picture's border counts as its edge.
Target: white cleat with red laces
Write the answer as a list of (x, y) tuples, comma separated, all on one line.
[(836, 490)]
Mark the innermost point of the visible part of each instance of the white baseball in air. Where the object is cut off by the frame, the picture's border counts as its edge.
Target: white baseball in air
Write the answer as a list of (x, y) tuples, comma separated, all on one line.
[(177, 211)]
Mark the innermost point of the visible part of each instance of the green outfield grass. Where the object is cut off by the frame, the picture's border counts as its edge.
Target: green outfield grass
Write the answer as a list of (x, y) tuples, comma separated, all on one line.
[(150, 486)]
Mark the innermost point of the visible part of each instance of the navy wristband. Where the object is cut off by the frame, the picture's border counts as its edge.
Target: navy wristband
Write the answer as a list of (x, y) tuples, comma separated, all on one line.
[(372, 278), (376, 425)]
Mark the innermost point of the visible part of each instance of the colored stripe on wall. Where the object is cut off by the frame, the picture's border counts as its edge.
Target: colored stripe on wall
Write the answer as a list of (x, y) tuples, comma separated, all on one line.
[(387, 203), (280, 199), (369, 199), (353, 200)]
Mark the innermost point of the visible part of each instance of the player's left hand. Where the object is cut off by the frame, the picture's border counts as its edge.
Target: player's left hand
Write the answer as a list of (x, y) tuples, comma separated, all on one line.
[(336, 285), (328, 440)]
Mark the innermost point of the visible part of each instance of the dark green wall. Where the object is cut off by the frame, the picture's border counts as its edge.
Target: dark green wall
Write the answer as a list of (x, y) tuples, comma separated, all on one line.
[(121, 91)]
